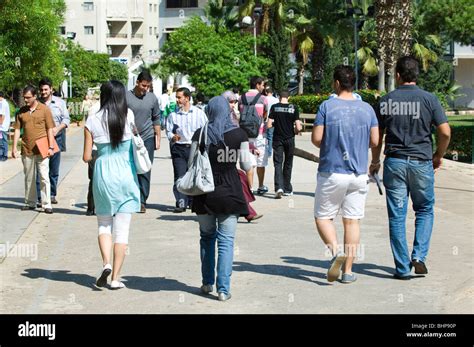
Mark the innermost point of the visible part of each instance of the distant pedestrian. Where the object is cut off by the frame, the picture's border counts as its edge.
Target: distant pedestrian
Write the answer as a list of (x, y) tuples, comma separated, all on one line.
[(115, 184), (218, 211), (344, 129), (36, 121), (180, 127), (61, 121), (4, 126), (284, 118), (146, 110), (253, 107), (271, 100)]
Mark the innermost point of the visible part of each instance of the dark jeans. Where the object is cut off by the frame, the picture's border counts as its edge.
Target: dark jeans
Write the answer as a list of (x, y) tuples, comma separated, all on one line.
[(144, 179), (180, 156), (283, 162), (90, 174), (54, 163), (3, 146)]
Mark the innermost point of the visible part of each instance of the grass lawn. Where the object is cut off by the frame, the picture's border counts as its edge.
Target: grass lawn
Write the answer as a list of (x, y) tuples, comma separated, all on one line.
[(457, 121)]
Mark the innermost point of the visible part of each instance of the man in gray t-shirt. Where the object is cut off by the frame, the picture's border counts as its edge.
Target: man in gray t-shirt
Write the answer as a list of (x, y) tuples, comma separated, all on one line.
[(146, 109)]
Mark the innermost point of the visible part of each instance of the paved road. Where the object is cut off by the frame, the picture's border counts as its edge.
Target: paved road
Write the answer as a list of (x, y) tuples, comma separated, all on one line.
[(279, 265)]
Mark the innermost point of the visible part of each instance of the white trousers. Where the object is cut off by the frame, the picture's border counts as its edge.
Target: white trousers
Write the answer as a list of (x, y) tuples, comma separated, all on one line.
[(30, 165)]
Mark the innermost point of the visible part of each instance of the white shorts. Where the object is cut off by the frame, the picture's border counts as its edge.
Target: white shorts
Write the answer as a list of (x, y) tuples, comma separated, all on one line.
[(261, 144), (340, 192)]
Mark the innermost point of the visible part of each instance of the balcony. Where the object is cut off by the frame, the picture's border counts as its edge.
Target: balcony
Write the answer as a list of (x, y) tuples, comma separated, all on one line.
[(137, 36), (118, 35)]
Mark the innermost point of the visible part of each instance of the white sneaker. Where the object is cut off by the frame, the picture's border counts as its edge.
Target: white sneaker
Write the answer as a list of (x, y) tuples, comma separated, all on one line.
[(288, 194), (101, 280), (279, 194), (117, 285)]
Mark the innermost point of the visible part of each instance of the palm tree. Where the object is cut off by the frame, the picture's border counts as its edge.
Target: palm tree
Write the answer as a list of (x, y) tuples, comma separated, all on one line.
[(394, 28), (367, 51), (269, 7), (220, 15)]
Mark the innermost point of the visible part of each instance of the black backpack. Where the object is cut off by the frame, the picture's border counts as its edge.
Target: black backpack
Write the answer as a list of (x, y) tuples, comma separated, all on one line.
[(250, 121)]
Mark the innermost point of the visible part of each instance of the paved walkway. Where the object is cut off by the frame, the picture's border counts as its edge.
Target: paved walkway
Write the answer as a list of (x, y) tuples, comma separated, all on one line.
[(279, 266)]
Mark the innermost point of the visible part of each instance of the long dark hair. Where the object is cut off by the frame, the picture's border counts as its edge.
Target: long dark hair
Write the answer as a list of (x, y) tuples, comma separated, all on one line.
[(114, 104)]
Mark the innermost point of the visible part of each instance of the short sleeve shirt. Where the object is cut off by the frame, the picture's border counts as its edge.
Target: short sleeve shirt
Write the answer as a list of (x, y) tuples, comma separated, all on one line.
[(97, 125), (408, 114), (284, 116), (35, 125), (345, 145)]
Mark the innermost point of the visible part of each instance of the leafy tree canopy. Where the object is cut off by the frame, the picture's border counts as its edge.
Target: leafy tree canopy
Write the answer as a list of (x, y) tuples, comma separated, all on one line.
[(214, 61)]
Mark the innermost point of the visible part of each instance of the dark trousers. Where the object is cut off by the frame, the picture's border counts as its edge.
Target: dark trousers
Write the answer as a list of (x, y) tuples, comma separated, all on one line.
[(180, 155), (90, 174), (144, 179), (283, 151), (54, 163)]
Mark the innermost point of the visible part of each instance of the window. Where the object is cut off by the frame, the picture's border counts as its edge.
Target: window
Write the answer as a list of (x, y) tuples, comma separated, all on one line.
[(62, 30), (150, 52), (156, 7), (150, 7), (88, 30), (156, 31), (181, 3), (150, 30), (88, 6)]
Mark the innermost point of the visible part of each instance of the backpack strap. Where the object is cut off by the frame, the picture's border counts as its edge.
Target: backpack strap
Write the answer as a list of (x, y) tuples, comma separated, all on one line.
[(255, 100)]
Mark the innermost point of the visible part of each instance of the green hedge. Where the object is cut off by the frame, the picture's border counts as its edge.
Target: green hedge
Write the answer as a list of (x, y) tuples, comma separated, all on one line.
[(461, 145), (310, 103)]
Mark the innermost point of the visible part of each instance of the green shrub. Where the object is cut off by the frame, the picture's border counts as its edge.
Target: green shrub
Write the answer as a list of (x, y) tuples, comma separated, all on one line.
[(310, 103), (461, 144)]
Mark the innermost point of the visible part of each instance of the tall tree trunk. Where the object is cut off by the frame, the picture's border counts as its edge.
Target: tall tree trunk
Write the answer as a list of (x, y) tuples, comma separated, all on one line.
[(381, 85), (318, 62), (301, 71), (391, 79)]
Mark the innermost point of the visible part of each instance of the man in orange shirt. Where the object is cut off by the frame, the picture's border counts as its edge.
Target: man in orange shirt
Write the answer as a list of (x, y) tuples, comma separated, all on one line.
[(37, 122)]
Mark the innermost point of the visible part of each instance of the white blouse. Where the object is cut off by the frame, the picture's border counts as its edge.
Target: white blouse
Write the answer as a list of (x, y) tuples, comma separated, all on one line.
[(98, 127)]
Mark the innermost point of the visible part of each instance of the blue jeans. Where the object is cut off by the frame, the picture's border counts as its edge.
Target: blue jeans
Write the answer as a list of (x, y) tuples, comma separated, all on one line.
[(144, 179), (54, 163), (414, 178), (221, 228), (270, 141), (3, 145)]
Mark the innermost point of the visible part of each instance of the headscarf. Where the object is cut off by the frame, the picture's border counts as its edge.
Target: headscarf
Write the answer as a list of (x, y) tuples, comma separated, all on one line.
[(218, 113)]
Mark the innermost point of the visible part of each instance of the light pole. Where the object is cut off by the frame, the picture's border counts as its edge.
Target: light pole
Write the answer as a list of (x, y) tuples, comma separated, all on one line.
[(248, 21)]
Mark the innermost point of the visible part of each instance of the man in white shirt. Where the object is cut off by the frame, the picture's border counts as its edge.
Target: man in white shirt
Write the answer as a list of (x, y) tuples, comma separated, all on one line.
[(4, 127), (180, 128)]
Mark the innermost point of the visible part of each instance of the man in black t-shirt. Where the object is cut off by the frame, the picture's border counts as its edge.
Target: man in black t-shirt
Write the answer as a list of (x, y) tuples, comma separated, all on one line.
[(283, 117)]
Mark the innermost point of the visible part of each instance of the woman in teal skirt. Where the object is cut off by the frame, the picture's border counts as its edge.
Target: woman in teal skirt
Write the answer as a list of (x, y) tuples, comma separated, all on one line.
[(115, 184)]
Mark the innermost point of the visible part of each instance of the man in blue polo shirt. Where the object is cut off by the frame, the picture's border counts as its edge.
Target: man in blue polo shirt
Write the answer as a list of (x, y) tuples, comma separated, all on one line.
[(407, 115)]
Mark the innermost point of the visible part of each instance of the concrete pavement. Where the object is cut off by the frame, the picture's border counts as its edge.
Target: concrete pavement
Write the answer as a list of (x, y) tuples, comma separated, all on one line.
[(279, 266)]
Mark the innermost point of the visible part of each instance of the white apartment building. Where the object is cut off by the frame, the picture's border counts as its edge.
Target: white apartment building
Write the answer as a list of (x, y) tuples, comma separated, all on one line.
[(127, 30), (464, 74)]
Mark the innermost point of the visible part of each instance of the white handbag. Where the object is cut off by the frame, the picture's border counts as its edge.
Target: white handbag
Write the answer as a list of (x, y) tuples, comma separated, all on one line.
[(198, 179), (140, 153)]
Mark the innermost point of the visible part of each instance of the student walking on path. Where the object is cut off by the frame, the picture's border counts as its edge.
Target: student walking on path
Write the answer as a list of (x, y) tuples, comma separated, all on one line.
[(407, 115), (115, 184), (37, 123), (284, 117), (146, 110), (218, 211), (344, 129)]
